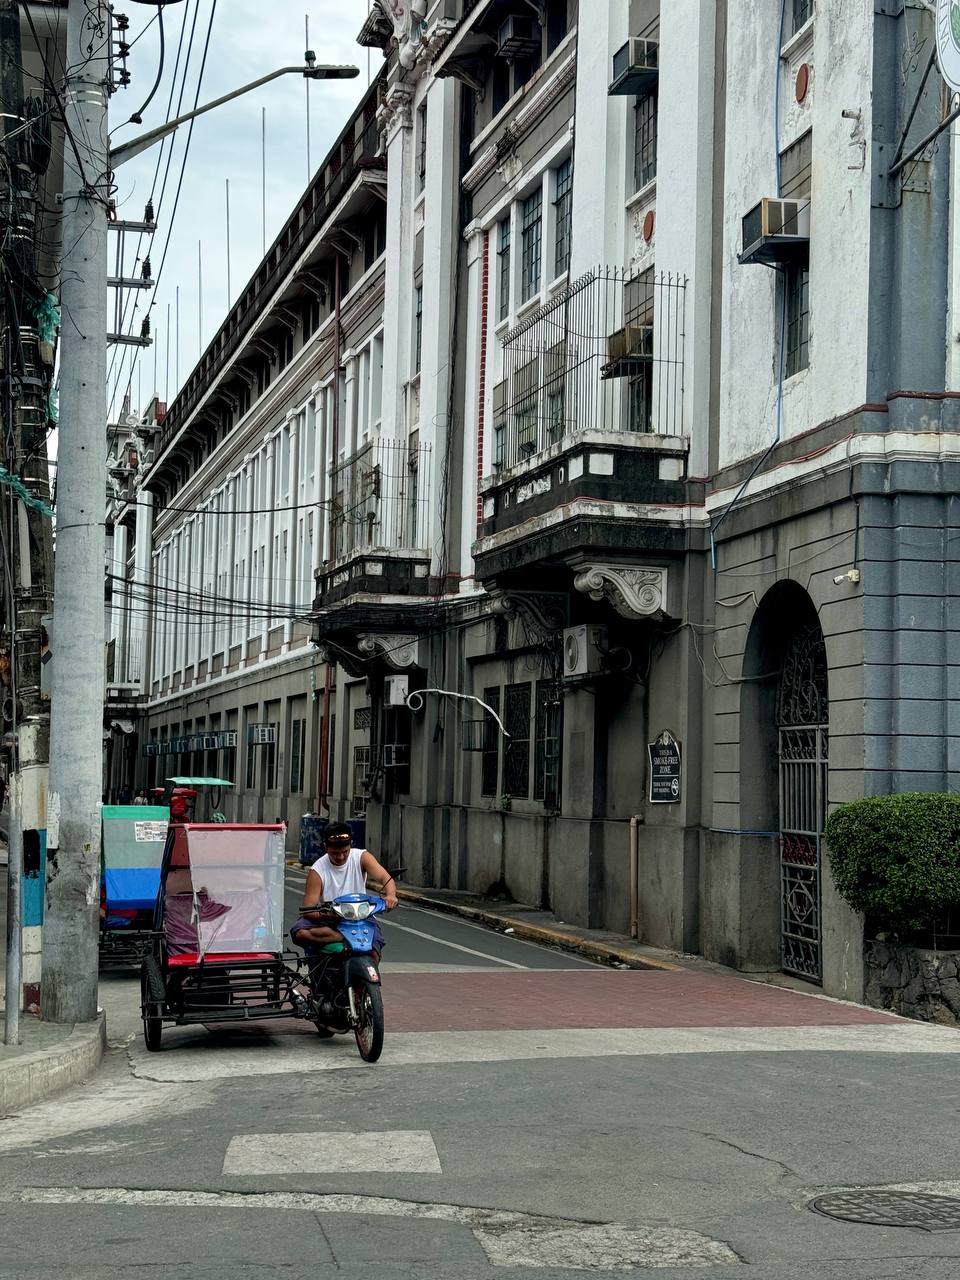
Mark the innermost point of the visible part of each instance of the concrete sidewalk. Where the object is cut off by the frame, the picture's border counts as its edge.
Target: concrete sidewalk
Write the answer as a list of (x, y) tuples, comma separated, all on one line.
[(50, 1056)]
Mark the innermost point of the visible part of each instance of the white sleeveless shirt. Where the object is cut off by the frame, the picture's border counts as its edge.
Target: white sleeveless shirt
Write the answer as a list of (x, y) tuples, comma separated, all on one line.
[(339, 881)]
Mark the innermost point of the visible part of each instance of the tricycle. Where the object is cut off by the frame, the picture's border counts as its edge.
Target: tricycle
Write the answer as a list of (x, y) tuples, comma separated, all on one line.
[(216, 952), (132, 849)]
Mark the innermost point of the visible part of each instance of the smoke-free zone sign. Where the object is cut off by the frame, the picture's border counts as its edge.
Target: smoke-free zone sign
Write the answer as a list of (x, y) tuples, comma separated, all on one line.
[(666, 773)]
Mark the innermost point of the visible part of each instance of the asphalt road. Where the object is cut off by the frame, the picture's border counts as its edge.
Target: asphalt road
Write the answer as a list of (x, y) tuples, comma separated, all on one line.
[(531, 1117)]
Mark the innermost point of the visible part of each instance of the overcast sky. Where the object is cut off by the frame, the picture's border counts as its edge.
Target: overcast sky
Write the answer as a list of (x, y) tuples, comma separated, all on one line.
[(249, 39)]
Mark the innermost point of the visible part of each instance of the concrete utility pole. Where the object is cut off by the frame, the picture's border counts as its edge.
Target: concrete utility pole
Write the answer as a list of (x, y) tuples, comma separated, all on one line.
[(70, 933), (27, 531)]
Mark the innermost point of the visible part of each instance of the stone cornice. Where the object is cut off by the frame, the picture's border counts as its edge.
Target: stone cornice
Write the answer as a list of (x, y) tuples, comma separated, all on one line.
[(398, 651)]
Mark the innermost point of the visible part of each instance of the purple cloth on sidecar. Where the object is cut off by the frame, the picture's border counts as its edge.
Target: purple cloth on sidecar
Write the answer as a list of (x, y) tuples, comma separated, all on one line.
[(227, 922)]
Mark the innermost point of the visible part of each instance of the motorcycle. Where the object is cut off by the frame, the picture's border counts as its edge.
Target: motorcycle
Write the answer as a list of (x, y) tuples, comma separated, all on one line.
[(345, 991)]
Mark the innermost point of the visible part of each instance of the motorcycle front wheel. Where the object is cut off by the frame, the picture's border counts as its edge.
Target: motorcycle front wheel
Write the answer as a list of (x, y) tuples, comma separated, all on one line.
[(369, 1029)]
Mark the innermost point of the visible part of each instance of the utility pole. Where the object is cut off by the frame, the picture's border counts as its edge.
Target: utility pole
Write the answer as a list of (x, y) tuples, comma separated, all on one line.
[(27, 372), (70, 932)]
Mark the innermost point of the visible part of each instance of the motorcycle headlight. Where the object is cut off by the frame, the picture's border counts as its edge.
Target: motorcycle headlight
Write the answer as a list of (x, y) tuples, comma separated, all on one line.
[(353, 910)]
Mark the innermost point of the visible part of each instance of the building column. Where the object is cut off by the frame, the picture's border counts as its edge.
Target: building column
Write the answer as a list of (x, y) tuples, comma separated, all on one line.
[(143, 584), (267, 592)]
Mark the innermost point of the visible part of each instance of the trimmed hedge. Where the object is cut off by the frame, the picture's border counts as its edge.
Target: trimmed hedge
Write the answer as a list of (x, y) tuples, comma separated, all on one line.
[(897, 858)]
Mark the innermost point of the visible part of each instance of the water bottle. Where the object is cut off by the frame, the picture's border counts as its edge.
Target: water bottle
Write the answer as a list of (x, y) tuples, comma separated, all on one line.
[(260, 935)]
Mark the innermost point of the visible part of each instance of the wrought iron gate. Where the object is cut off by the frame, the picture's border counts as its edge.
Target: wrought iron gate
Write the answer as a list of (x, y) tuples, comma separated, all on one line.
[(802, 714)]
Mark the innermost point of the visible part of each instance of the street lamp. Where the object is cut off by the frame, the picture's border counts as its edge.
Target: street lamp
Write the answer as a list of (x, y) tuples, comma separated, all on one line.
[(310, 71)]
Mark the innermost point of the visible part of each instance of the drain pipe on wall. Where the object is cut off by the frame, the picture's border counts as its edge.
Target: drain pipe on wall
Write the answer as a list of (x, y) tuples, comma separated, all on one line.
[(635, 876)]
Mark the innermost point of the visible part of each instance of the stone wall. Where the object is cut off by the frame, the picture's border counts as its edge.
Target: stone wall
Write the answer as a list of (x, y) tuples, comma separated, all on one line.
[(913, 981)]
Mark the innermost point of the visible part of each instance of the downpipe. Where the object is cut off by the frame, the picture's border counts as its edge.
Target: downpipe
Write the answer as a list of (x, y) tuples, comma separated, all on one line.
[(635, 876)]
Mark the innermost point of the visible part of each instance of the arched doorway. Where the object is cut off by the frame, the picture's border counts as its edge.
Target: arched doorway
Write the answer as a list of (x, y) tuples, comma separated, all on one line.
[(802, 729), (783, 767)]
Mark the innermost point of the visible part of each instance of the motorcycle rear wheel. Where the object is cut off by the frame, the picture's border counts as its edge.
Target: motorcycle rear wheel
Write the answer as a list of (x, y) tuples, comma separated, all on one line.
[(369, 1033)]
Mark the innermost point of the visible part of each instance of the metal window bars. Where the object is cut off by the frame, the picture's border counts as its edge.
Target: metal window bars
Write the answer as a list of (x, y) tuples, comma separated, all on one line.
[(381, 497), (605, 355)]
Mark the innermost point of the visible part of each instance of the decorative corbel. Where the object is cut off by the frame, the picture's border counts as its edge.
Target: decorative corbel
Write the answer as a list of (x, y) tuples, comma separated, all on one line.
[(398, 651), (635, 592)]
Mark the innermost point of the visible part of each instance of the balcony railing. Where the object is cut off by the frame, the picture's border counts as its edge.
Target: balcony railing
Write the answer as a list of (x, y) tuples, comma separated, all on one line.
[(382, 499), (605, 355)]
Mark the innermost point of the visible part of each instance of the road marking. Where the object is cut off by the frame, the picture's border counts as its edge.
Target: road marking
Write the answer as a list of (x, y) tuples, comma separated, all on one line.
[(508, 1239), (390, 1151), (193, 1056), (454, 946), (516, 942)]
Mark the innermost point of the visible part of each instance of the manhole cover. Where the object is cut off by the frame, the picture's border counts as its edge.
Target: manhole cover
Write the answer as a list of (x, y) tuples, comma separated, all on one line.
[(892, 1209)]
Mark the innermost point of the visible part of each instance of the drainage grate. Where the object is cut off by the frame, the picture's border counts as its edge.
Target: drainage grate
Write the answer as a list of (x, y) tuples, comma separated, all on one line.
[(892, 1209)]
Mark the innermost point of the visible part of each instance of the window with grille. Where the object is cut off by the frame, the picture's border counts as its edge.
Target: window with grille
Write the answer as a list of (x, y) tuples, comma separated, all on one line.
[(645, 141), (250, 772), (490, 760), (516, 756), (503, 273), (421, 147), (298, 737), (797, 285), (546, 767), (531, 233), (418, 330), (361, 780), (563, 204)]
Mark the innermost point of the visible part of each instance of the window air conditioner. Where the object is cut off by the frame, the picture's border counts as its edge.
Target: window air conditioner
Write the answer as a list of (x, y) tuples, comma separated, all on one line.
[(632, 342), (207, 742), (777, 232), (395, 755), (584, 648), (395, 690), (519, 37), (227, 739), (635, 67), (263, 735)]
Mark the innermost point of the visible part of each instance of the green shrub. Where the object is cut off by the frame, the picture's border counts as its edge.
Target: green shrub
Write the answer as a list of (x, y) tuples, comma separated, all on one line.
[(897, 858)]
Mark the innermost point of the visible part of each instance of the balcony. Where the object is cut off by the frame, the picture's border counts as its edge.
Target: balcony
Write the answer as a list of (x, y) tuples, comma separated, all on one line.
[(380, 526), (587, 425)]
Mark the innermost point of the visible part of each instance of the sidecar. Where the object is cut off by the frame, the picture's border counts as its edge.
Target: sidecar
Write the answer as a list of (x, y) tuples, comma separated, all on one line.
[(216, 954)]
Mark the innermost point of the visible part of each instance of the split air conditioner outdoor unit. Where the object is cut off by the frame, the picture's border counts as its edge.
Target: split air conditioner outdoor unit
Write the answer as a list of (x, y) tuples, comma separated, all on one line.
[(777, 233), (584, 648), (635, 67)]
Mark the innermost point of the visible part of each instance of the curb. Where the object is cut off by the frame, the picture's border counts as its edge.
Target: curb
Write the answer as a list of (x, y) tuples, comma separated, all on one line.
[(560, 941), (35, 1076)]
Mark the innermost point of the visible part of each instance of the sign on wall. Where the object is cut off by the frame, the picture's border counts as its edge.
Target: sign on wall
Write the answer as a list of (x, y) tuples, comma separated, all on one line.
[(948, 41), (666, 774)]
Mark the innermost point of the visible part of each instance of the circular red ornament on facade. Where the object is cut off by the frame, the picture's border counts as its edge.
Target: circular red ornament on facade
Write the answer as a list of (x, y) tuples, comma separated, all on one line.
[(648, 225), (803, 82)]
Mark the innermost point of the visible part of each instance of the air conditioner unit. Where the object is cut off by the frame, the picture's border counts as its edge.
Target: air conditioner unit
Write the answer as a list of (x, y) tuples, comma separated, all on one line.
[(519, 37), (263, 735), (207, 742), (395, 755), (632, 342), (635, 67), (395, 690), (584, 648), (227, 739), (777, 232)]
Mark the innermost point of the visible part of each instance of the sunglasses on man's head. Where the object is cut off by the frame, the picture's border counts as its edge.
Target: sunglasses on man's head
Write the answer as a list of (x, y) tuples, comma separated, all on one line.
[(339, 840)]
